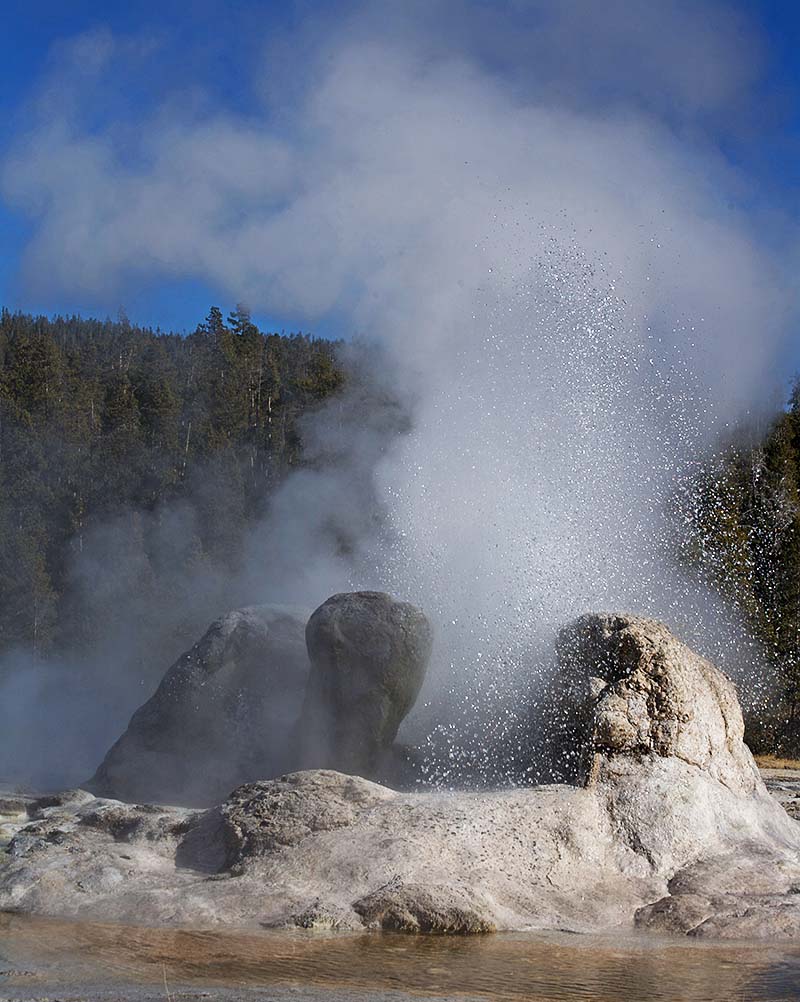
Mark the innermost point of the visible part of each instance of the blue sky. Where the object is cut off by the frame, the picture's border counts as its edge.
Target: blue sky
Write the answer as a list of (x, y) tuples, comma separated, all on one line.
[(220, 49), (776, 154), (217, 42)]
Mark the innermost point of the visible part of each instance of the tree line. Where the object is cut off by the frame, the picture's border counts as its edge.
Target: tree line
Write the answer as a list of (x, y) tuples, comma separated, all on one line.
[(741, 512), (99, 418)]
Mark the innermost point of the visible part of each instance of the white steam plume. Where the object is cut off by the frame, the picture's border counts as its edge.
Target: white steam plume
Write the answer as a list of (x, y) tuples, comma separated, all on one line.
[(548, 247)]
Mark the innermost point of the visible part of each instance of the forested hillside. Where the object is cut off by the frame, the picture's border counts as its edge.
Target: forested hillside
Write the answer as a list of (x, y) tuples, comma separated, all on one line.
[(742, 514), (101, 418)]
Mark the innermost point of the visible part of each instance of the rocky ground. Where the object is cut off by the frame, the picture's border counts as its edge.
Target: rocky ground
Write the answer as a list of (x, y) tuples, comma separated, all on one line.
[(673, 830)]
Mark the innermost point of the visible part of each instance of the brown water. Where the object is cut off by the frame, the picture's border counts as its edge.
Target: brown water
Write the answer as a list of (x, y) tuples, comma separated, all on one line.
[(42, 954)]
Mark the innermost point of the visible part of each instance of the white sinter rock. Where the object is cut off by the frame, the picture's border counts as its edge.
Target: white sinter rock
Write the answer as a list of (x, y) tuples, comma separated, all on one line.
[(671, 830)]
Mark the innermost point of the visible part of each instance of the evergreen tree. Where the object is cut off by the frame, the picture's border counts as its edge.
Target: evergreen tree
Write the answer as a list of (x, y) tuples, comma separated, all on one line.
[(742, 514), (104, 423)]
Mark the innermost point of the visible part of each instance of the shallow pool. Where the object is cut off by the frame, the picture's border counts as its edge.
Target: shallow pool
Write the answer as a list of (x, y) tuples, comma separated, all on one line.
[(38, 956)]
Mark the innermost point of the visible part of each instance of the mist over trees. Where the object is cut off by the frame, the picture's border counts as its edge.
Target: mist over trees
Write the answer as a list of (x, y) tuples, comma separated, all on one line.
[(741, 512), (107, 423), (133, 463)]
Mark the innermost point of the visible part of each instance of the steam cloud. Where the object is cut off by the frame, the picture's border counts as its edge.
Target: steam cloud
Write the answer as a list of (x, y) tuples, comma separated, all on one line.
[(525, 207)]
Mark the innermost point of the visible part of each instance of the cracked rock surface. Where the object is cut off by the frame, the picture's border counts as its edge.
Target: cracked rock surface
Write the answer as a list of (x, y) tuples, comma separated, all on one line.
[(672, 829)]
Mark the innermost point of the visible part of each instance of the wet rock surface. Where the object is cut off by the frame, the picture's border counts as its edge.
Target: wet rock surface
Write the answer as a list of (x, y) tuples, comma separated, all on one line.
[(673, 830), (418, 908), (369, 654), (221, 716), (784, 785)]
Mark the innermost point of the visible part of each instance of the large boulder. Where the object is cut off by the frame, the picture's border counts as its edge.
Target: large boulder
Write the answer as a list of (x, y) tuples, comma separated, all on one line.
[(671, 829), (637, 691), (221, 716), (663, 749), (368, 657)]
